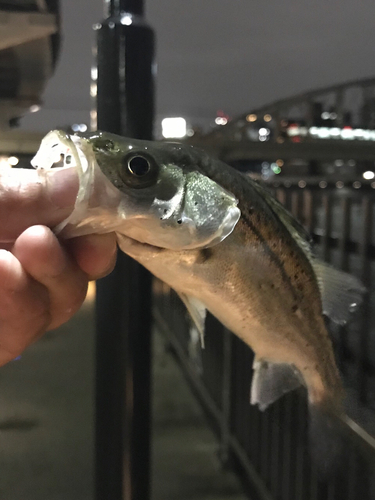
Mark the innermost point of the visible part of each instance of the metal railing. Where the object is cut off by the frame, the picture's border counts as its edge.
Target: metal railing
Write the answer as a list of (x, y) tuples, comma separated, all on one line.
[(270, 449)]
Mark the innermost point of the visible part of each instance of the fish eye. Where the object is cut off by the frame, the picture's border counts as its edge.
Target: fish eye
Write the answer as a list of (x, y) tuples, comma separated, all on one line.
[(140, 170), (102, 144), (139, 165)]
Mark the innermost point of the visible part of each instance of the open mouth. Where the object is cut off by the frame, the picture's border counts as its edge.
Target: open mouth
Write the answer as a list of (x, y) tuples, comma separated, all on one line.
[(57, 150)]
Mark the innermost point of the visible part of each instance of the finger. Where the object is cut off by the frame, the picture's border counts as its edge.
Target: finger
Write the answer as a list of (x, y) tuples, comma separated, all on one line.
[(95, 253), (24, 308), (28, 198), (42, 256)]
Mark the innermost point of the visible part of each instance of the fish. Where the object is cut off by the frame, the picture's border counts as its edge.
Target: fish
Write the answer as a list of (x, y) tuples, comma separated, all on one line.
[(224, 244)]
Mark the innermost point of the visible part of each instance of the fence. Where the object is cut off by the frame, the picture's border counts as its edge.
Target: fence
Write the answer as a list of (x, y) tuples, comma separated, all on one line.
[(269, 449)]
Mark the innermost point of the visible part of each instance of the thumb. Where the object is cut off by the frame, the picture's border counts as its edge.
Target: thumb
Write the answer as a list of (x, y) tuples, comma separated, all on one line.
[(29, 197)]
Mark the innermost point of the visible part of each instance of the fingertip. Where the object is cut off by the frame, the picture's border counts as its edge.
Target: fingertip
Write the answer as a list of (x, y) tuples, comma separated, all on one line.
[(40, 252), (95, 253), (12, 275)]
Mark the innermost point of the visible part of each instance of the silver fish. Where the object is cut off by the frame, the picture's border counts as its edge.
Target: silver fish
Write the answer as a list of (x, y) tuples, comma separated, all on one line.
[(223, 244)]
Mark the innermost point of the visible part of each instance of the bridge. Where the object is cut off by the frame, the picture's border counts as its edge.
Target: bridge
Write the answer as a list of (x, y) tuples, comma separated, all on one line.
[(323, 125)]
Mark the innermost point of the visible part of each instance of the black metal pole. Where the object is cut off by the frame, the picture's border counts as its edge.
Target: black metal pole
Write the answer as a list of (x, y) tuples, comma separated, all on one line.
[(125, 105)]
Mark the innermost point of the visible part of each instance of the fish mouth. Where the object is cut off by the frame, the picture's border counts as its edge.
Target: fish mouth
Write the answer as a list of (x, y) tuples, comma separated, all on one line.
[(59, 149), (56, 150)]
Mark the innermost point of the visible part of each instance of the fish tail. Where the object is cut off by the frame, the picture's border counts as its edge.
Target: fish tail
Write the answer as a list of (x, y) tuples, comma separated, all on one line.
[(327, 441)]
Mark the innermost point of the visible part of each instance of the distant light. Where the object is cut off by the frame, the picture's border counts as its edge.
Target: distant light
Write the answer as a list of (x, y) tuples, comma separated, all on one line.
[(251, 118), (221, 120), (322, 184), (351, 163), (190, 132), (264, 131), (4, 164), (335, 132), (79, 127), (263, 138), (267, 118), (302, 184), (93, 90), (339, 184), (339, 163), (326, 115), (13, 160), (34, 108), (173, 127), (280, 163), (276, 170), (333, 116), (357, 185), (126, 20), (323, 132), (94, 73), (368, 175), (347, 133)]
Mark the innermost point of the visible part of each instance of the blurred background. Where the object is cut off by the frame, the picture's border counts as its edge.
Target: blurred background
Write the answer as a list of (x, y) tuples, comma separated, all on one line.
[(284, 92)]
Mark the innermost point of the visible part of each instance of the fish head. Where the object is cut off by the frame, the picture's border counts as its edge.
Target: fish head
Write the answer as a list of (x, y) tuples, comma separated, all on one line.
[(164, 199)]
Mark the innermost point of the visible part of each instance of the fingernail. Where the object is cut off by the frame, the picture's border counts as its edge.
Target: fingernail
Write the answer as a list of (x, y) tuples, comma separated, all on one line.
[(62, 186)]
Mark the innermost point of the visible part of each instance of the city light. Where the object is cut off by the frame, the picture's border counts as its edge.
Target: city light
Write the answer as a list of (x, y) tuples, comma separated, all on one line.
[(368, 175), (34, 108), (13, 160), (267, 118), (126, 20), (221, 120), (94, 73), (4, 163), (346, 133), (173, 127), (251, 118), (79, 127), (93, 90), (264, 131)]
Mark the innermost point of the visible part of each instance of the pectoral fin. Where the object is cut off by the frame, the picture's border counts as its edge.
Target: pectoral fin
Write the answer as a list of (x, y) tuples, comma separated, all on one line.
[(341, 293), (271, 381), (197, 311)]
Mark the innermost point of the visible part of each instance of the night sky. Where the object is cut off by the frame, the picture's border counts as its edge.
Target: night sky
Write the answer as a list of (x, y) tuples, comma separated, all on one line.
[(221, 54)]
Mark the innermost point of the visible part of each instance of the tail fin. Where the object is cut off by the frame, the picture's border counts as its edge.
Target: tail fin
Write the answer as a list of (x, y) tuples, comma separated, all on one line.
[(327, 442), (333, 437)]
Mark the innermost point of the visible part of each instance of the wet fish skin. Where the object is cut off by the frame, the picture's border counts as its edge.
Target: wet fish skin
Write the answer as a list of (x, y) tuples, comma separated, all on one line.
[(258, 281), (258, 275)]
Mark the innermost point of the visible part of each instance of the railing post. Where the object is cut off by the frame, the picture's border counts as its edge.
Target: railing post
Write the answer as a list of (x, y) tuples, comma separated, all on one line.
[(125, 105)]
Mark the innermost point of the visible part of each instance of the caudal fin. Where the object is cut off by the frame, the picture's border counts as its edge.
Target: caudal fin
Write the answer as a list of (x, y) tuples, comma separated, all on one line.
[(333, 438), (327, 441)]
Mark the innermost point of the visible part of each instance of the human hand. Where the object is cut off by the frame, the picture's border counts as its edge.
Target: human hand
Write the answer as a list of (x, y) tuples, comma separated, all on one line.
[(43, 281)]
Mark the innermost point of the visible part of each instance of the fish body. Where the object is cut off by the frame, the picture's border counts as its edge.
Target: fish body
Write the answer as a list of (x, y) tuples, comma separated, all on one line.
[(223, 244)]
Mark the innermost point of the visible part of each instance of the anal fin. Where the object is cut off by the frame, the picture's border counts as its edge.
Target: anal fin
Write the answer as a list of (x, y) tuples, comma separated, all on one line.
[(271, 381)]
